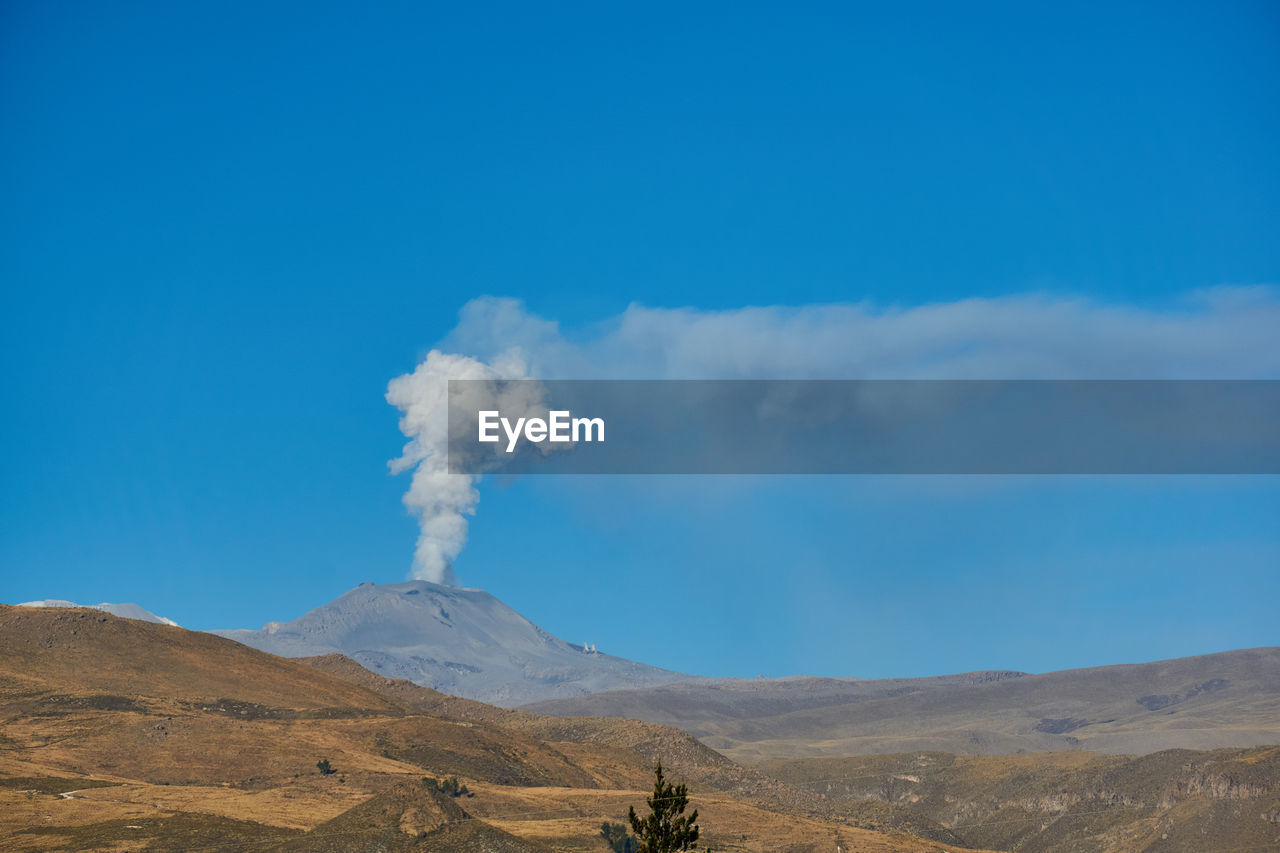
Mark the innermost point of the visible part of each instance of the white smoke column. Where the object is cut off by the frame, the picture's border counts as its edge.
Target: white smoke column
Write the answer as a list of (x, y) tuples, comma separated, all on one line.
[(440, 500)]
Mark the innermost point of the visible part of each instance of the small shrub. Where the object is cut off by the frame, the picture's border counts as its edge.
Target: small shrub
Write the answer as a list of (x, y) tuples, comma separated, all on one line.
[(618, 839), (449, 786)]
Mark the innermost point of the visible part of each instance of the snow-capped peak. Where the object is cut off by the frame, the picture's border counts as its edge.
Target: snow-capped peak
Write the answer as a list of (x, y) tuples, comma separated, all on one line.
[(124, 611)]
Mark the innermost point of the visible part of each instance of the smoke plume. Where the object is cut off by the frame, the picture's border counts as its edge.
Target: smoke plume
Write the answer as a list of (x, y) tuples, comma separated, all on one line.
[(441, 501), (1215, 333), (1218, 333)]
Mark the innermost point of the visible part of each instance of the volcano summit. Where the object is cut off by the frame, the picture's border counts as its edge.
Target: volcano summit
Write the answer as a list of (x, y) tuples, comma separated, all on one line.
[(460, 641)]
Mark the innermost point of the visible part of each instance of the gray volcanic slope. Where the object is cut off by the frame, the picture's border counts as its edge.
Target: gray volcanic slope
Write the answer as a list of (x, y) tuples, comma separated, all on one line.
[(1210, 701), (459, 641)]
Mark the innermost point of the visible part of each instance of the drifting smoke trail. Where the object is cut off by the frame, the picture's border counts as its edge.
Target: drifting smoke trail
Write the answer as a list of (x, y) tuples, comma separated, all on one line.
[(1219, 333), (441, 501)]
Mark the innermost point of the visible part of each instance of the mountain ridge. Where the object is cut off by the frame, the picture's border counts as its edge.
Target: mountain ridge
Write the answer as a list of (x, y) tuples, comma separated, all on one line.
[(126, 734), (1224, 699), (461, 641), (123, 610)]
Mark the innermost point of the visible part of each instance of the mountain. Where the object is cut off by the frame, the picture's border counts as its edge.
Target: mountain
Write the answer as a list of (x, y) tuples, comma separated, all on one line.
[(459, 641), (126, 735), (1229, 699), (124, 611)]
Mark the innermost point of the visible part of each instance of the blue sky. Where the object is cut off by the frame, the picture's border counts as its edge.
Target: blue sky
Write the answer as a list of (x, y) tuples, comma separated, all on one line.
[(223, 230)]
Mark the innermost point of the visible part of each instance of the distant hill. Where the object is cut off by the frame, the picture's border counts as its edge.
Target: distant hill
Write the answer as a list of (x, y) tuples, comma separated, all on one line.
[(125, 611), (1230, 699), (461, 641)]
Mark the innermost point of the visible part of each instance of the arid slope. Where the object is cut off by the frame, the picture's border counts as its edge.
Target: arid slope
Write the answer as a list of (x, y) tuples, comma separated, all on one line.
[(125, 735), (1177, 800)]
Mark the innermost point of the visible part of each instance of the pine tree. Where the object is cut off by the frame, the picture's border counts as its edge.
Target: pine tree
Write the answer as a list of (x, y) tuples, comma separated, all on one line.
[(666, 828)]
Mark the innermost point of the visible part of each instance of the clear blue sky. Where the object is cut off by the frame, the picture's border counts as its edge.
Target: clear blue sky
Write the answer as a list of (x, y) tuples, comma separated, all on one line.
[(224, 228)]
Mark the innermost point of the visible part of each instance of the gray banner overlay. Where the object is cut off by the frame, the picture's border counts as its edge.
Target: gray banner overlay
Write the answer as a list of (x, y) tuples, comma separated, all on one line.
[(867, 427)]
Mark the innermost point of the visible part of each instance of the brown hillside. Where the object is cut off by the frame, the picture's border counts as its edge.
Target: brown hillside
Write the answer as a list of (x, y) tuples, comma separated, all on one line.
[(1177, 800), (94, 652), (119, 734), (406, 817)]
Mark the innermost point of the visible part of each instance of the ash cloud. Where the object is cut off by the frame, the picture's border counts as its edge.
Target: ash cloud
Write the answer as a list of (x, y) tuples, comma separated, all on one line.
[(1218, 333)]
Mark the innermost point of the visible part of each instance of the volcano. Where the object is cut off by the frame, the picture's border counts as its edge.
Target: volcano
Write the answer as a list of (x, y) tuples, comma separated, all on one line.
[(459, 641)]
